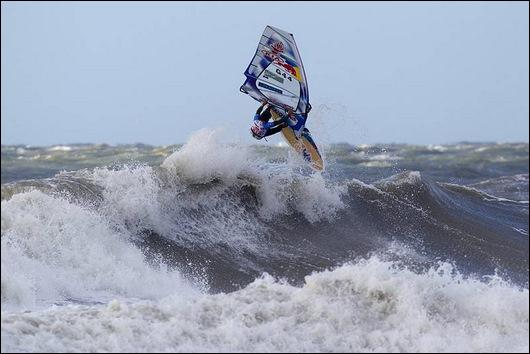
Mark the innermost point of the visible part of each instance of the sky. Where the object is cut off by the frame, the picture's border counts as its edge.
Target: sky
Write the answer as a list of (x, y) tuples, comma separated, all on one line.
[(154, 73)]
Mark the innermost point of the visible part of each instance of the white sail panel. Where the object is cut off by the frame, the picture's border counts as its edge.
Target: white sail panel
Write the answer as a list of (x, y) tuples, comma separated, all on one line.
[(276, 72)]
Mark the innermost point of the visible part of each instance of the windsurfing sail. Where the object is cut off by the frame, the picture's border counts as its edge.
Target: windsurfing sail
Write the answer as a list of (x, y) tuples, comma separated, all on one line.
[(276, 73)]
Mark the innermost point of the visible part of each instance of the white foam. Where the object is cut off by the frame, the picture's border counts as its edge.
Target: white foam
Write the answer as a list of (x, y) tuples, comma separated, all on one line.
[(204, 158), (54, 250), (60, 148), (311, 196), (280, 190), (370, 306), (130, 196), (383, 157), (135, 199), (439, 148), (404, 178), (380, 164)]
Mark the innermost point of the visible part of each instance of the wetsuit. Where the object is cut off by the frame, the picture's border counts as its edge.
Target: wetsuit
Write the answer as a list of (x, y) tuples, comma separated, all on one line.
[(261, 126), (297, 123)]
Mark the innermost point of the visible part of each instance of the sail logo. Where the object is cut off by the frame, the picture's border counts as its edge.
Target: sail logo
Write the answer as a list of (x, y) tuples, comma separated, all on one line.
[(277, 47), (269, 74), (268, 87), (274, 55)]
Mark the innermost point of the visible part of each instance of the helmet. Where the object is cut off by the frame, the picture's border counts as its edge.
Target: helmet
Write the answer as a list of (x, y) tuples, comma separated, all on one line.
[(256, 136)]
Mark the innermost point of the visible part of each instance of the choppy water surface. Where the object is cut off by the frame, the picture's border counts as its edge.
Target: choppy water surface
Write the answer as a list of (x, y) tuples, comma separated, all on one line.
[(209, 246)]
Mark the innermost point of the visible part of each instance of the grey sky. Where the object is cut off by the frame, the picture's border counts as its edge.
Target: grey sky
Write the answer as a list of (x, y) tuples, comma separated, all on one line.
[(156, 72)]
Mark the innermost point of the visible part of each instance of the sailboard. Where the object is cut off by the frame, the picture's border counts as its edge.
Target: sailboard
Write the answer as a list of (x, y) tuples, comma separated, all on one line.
[(276, 74)]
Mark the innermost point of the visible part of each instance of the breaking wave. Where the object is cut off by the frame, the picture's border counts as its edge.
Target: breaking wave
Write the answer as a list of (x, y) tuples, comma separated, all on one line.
[(221, 249), (367, 306)]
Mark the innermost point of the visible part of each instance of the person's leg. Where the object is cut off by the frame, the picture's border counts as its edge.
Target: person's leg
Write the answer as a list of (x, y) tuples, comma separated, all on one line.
[(266, 114), (275, 130)]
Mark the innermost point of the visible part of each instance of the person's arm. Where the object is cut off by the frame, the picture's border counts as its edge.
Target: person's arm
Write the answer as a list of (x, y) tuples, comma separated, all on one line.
[(260, 108), (258, 113)]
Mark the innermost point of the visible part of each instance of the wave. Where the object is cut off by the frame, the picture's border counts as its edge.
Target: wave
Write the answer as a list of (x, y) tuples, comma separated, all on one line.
[(54, 251), (367, 306), (215, 217), (507, 187)]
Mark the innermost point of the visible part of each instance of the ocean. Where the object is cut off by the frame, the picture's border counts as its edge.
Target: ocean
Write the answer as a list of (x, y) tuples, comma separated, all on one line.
[(211, 246)]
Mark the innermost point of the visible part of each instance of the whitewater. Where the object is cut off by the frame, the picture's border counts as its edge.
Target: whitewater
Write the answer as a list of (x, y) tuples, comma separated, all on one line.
[(217, 247)]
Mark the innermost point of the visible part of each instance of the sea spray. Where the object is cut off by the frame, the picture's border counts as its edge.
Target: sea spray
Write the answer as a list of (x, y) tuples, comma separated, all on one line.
[(371, 305), (228, 247), (56, 251)]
